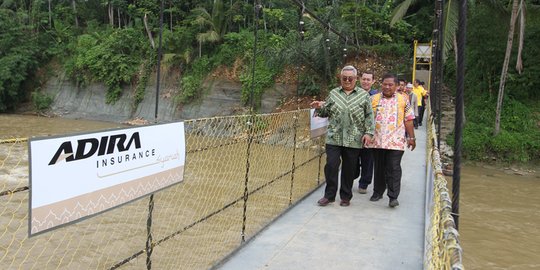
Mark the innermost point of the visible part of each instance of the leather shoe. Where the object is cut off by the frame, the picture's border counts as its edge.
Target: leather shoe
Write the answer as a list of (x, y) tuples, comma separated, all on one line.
[(393, 203), (324, 202), (345, 203), (375, 197)]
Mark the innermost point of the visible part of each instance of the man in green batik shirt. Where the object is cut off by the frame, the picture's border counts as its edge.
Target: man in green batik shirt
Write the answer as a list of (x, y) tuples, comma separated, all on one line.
[(350, 127)]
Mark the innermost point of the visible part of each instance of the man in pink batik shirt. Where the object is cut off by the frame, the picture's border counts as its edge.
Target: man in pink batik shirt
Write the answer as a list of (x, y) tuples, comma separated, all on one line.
[(393, 116)]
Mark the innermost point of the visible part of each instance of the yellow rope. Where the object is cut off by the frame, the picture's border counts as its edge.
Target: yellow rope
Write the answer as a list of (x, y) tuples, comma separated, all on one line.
[(13, 140), (443, 250), (195, 223), (213, 179)]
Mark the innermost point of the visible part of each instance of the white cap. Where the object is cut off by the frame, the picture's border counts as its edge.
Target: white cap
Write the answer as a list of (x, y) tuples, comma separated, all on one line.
[(409, 85)]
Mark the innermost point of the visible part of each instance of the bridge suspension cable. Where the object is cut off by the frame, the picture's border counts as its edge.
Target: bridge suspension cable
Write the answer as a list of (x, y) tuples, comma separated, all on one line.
[(458, 128), (327, 25)]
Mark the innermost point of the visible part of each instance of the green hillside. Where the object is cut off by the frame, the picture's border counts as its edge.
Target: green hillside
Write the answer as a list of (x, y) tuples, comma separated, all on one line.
[(116, 43)]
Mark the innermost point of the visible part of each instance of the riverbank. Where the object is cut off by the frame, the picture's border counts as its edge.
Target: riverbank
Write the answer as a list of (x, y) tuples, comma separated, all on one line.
[(517, 169), (218, 97), (447, 151)]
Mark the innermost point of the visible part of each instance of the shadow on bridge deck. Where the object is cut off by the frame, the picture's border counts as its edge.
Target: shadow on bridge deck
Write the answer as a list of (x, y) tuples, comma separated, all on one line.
[(365, 235)]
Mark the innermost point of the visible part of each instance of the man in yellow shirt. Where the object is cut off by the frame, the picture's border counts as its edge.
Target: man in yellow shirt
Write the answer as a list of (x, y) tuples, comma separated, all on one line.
[(420, 93)]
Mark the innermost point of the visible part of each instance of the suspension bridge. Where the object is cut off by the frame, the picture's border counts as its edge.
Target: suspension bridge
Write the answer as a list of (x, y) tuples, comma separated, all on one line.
[(365, 235), (248, 201)]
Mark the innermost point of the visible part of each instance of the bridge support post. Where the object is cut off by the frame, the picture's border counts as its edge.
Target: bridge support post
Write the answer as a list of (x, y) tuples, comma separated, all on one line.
[(149, 244), (293, 166)]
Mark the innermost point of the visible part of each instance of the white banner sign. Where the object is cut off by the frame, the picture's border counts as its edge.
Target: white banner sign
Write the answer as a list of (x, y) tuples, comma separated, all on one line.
[(318, 124), (79, 176), (423, 51)]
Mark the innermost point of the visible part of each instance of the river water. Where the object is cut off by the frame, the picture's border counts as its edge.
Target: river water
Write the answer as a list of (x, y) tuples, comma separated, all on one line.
[(499, 224), (24, 126), (500, 217)]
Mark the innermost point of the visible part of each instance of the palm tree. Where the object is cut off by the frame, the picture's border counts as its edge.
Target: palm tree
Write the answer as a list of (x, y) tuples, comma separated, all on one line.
[(450, 26), (518, 10), (450, 20), (216, 23)]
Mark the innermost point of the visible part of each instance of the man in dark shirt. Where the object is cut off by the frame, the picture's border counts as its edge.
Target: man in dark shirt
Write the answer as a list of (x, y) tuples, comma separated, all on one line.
[(365, 170)]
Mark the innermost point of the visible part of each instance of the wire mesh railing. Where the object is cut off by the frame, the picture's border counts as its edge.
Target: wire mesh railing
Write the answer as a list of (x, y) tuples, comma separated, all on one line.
[(442, 247), (241, 172)]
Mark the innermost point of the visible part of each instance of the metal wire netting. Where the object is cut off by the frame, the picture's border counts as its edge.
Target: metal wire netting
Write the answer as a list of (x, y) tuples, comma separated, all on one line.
[(241, 173)]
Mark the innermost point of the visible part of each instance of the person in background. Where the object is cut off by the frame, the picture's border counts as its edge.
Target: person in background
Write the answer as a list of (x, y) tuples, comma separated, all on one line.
[(366, 82), (350, 127), (420, 93), (365, 170), (401, 87), (424, 98), (414, 103), (393, 119)]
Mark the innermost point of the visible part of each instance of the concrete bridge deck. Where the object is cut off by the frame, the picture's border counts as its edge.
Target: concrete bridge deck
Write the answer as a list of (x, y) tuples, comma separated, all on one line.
[(365, 235)]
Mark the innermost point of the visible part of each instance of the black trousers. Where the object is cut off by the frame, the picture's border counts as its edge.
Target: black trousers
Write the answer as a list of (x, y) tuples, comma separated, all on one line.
[(420, 114), (387, 172), (366, 163), (348, 157)]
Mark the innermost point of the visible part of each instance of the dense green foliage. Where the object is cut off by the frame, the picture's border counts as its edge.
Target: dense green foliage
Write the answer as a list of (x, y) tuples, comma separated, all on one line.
[(193, 79), (142, 83), (519, 139), (115, 43), (19, 57), (112, 58), (41, 101), (264, 78)]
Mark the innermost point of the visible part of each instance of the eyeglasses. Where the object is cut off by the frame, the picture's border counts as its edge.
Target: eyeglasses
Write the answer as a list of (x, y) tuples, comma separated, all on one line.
[(348, 78)]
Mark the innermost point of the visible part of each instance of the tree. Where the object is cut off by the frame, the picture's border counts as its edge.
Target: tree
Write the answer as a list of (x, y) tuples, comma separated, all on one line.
[(450, 19), (216, 23), (18, 58), (517, 5)]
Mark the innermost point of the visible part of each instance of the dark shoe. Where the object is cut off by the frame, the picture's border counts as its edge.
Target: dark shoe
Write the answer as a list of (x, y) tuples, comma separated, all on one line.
[(362, 190), (324, 202), (375, 197), (393, 203), (345, 203), (420, 124)]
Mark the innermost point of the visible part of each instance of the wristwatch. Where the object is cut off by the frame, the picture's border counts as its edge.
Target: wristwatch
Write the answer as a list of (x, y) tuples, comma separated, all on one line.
[(411, 138)]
